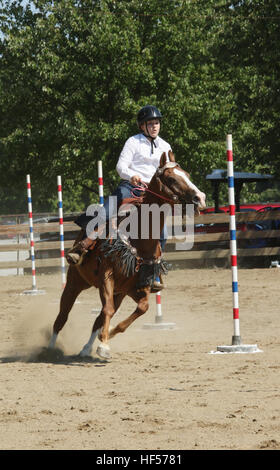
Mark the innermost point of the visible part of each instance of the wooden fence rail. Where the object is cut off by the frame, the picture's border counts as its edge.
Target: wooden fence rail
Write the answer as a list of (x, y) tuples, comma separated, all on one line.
[(207, 246)]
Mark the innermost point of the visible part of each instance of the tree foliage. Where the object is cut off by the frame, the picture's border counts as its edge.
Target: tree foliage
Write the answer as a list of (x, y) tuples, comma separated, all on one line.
[(74, 73)]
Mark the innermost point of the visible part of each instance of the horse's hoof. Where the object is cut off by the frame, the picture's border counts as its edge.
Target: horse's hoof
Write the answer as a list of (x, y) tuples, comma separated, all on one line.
[(103, 351)]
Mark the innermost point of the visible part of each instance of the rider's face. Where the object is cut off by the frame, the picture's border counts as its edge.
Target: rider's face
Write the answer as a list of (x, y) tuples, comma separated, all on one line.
[(152, 129)]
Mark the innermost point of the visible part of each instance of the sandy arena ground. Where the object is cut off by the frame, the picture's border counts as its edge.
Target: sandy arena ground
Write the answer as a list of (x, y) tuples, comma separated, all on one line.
[(162, 389)]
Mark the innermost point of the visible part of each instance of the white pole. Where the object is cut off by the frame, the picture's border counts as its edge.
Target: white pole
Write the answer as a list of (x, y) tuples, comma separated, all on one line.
[(236, 345), (34, 290), (100, 182), (61, 230), (158, 308), (236, 339), (30, 216)]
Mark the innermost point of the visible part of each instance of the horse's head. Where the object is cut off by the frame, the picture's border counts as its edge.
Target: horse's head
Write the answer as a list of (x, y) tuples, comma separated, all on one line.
[(175, 185)]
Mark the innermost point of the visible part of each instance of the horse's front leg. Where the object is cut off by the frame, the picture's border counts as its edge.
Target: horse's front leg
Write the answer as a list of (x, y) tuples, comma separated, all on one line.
[(108, 310), (86, 351), (142, 300), (102, 323)]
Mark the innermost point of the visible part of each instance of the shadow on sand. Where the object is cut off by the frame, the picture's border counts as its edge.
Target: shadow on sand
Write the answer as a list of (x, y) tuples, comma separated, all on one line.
[(53, 356)]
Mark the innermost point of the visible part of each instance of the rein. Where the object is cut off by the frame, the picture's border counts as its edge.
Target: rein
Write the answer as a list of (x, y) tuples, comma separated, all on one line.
[(145, 188)]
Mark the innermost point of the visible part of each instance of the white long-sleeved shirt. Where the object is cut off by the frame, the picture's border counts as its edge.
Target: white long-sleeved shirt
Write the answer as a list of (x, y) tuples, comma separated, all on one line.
[(136, 157)]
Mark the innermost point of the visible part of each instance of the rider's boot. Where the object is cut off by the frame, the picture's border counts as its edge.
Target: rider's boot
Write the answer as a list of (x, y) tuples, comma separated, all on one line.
[(157, 285), (79, 250)]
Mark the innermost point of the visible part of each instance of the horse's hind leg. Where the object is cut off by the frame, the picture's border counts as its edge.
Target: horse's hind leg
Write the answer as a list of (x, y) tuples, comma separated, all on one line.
[(142, 307), (73, 288), (109, 310)]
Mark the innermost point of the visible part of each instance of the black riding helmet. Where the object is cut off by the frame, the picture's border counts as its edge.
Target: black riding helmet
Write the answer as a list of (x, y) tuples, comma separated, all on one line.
[(147, 113)]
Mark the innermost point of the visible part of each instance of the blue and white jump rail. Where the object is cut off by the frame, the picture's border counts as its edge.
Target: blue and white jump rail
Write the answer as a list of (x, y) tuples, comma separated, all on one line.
[(236, 345)]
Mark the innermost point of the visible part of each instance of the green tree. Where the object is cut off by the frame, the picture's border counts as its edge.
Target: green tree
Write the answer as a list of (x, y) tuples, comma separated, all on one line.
[(74, 73), (248, 55)]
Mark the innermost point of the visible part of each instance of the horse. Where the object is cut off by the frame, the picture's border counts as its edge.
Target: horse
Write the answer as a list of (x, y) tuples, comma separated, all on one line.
[(120, 267)]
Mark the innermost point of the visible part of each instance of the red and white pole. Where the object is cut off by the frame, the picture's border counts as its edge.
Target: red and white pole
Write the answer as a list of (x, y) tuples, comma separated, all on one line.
[(30, 216), (61, 230), (100, 182), (158, 308), (237, 345), (236, 339), (34, 290)]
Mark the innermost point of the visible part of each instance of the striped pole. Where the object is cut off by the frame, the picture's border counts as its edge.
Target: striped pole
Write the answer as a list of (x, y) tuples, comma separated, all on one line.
[(30, 216), (159, 324), (101, 200), (34, 290), (61, 230), (236, 339), (100, 183), (158, 308), (236, 345)]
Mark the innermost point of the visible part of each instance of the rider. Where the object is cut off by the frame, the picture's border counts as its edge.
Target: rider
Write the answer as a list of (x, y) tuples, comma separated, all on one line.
[(138, 161), (141, 153)]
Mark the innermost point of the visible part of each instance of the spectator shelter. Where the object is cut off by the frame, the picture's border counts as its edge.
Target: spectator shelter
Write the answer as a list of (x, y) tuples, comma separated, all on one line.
[(220, 176)]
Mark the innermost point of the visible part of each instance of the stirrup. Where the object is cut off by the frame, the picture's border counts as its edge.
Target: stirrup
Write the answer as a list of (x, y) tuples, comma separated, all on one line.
[(75, 258), (156, 287), (76, 254)]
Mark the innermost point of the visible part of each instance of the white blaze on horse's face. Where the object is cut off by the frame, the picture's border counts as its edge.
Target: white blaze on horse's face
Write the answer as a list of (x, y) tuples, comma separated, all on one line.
[(199, 196)]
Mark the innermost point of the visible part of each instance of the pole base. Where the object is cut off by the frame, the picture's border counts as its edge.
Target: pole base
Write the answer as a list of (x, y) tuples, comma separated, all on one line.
[(239, 348), (236, 340), (95, 311), (33, 292), (159, 325)]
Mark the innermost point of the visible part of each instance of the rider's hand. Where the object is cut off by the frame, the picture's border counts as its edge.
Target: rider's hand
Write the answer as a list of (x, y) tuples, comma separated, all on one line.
[(135, 180)]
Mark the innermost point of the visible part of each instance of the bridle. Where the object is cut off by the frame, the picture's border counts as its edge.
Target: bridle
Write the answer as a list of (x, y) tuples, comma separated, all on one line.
[(159, 172)]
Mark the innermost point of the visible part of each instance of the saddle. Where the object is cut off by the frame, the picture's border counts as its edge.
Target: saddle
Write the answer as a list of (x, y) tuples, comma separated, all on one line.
[(124, 256)]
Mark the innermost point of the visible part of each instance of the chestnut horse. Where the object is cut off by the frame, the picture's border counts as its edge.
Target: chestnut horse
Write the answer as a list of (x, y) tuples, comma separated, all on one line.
[(119, 267)]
